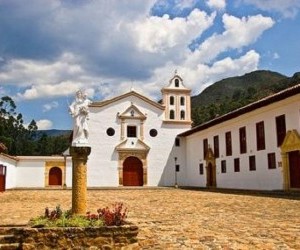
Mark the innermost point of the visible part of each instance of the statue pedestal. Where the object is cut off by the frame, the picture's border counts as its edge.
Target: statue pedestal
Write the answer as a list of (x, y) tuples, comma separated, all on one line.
[(79, 178)]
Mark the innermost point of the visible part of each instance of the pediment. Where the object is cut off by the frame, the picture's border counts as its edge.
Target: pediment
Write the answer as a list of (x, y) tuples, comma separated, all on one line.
[(291, 141), (132, 112), (132, 144)]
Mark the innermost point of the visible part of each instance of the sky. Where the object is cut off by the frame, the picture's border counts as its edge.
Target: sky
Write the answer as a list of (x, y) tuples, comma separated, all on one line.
[(51, 49)]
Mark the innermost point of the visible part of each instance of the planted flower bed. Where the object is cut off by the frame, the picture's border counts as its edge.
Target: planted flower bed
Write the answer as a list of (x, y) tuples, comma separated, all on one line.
[(106, 229)]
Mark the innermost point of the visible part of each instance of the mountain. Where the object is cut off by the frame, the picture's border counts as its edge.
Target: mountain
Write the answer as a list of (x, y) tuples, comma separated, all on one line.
[(235, 92), (53, 132)]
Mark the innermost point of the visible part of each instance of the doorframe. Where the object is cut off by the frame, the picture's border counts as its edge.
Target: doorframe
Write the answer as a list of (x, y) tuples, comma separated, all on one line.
[(290, 143), (141, 155), (4, 177), (210, 159), (51, 164)]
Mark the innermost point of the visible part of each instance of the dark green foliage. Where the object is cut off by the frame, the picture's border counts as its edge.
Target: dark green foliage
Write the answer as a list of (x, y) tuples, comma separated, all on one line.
[(20, 140), (17, 138), (235, 92)]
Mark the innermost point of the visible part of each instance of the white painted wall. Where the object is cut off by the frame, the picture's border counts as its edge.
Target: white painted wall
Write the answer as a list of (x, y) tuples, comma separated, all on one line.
[(263, 178), (10, 179), (103, 161), (30, 172)]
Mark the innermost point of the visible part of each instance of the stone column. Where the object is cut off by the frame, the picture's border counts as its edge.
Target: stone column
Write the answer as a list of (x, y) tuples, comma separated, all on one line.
[(79, 178)]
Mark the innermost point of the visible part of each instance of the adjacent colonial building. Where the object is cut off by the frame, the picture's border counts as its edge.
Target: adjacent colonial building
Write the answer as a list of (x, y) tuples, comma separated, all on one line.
[(138, 142), (254, 147)]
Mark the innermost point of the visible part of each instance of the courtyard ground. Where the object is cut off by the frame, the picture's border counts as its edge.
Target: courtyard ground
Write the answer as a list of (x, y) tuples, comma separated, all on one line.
[(180, 219)]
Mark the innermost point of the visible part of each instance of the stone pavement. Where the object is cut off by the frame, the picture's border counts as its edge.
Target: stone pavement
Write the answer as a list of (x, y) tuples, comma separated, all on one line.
[(180, 219)]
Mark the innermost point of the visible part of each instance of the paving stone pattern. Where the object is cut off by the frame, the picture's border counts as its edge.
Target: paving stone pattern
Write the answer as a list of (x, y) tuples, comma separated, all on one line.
[(180, 219)]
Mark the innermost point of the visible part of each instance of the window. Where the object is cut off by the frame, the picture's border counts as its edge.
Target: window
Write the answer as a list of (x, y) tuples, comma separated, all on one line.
[(177, 142), (271, 161), (201, 170), (177, 167), (260, 136), (131, 131), (205, 147), (182, 115), (176, 83), (223, 166), (182, 101), (172, 114), (280, 129), (228, 143), (171, 100), (252, 164), (216, 146), (243, 140), (153, 132), (110, 131), (237, 165)]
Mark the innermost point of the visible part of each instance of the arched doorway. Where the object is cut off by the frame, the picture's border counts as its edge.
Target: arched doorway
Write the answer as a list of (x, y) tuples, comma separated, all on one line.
[(55, 176), (132, 172)]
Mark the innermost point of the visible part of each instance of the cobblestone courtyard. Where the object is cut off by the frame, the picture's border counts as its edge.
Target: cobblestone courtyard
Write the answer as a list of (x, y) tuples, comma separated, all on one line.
[(179, 219)]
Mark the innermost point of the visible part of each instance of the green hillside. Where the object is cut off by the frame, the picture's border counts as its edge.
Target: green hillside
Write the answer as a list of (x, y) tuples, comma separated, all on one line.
[(235, 92)]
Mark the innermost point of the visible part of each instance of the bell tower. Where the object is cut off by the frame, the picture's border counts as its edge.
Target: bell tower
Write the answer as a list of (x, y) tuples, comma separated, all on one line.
[(177, 100)]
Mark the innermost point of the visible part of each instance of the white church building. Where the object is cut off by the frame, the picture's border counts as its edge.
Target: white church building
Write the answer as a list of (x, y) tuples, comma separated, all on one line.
[(139, 142)]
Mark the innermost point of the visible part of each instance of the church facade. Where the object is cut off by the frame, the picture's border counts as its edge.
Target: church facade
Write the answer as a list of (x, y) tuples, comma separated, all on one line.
[(138, 142), (132, 144)]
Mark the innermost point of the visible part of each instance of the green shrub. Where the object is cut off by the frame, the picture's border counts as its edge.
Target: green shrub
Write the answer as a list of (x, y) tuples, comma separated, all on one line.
[(114, 216)]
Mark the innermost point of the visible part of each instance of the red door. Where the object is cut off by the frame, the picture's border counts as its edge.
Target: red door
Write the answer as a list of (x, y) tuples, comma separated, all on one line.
[(294, 164), (132, 172), (55, 176), (2, 178)]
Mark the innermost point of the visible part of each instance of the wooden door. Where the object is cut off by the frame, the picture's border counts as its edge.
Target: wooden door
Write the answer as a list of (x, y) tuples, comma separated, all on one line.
[(55, 176), (210, 179), (132, 172), (2, 178), (294, 165)]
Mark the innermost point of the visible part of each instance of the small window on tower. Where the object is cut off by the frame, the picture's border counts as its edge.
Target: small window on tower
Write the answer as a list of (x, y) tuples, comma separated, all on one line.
[(176, 83), (182, 100), (182, 115), (171, 100), (172, 114)]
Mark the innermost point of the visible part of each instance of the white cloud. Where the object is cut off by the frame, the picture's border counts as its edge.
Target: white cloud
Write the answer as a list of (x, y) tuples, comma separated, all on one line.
[(49, 106), (25, 72), (202, 75), (276, 55), (288, 8), (158, 34), (122, 43), (44, 124), (239, 32), (216, 4)]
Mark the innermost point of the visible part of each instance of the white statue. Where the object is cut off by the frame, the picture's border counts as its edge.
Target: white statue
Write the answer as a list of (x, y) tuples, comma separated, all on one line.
[(79, 111)]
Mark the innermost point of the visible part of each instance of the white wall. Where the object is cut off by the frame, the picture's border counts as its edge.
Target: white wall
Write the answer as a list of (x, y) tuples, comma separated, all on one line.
[(263, 178), (10, 179), (103, 161)]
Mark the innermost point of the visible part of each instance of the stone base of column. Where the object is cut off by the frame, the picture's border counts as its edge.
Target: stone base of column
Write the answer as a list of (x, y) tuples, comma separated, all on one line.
[(79, 179)]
